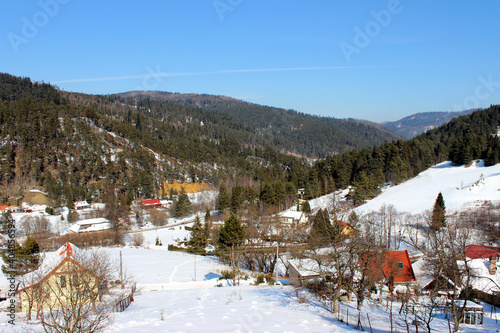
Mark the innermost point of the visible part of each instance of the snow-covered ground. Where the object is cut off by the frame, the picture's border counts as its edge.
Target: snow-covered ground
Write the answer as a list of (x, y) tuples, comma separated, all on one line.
[(171, 299), (461, 187), (179, 292)]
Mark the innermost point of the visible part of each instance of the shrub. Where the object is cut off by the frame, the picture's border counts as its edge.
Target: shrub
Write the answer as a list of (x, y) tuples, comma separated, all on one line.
[(226, 275), (260, 279), (138, 239)]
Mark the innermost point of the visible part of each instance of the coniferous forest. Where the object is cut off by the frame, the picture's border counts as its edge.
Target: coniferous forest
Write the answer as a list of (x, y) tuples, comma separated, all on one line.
[(76, 146)]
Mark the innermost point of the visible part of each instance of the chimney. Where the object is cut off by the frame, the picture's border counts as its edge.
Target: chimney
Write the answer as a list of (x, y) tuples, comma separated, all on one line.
[(493, 265)]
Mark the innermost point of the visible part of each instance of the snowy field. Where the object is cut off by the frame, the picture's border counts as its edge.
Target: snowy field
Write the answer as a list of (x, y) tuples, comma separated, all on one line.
[(170, 299), (461, 187)]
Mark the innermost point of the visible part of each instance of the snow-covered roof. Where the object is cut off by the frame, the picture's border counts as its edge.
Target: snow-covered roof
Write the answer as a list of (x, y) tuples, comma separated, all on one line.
[(291, 214), (83, 203), (306, 267), (422, 275), (482, 279), (49, 261), (95, 224)]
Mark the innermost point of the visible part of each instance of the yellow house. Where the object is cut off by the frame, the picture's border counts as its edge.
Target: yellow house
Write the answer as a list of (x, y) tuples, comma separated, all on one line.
[(61, 281)]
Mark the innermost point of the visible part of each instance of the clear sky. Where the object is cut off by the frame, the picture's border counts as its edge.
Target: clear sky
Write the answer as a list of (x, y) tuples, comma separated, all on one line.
[(374, 60)]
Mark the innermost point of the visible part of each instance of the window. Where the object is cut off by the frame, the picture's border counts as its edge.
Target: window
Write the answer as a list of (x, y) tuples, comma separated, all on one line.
[(63, 281), (400, 265)]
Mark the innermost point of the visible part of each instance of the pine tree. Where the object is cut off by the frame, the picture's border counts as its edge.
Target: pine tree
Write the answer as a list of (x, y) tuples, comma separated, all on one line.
[(438, 219), (322, 229), (26, 258), (182, 206), (223, 199), (198, 241), (208, 222), (231, 235), (306, 207)]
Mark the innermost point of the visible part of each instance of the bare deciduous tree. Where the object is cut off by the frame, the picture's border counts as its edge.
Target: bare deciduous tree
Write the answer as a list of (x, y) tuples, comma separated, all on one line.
[(35, 225)]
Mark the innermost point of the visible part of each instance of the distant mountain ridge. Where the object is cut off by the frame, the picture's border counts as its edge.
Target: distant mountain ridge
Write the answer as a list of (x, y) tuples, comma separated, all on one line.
[(418, 123), (288, 130)]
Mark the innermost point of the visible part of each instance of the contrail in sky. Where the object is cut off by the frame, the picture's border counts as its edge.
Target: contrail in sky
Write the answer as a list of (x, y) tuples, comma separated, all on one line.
[(227, 71)]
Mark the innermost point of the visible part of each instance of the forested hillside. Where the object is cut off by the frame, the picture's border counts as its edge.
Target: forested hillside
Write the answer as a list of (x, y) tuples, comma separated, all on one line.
[(418, 123), (77, 146), (463, 139), (286, 130), (77, 149)]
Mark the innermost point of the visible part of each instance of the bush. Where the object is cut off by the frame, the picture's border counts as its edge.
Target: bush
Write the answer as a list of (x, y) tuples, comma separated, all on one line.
[(260, 279), (172, 247), (138, 239), (226, 275), (269, 280)]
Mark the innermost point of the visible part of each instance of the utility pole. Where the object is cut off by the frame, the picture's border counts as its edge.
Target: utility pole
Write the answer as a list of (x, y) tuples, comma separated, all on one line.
[(276, 263), (121, 269)]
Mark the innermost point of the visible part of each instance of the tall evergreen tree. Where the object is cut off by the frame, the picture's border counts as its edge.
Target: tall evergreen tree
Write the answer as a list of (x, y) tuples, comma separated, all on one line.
[(323, 232), (223, 199), (198, 241), (182, 206), (438, 219), (231, 235)]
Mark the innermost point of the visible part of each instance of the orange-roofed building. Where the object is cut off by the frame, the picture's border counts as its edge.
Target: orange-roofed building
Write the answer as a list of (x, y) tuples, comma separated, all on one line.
[(392, 267), (397, 265)]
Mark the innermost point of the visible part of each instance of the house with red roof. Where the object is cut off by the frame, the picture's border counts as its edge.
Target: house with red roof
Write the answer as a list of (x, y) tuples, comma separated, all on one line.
[(151, 203), (481, 251), (391, 267)]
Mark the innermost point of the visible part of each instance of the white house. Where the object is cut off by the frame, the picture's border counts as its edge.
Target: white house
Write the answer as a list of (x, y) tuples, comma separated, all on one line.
[(81, 205), (97, 224), (293, 217)]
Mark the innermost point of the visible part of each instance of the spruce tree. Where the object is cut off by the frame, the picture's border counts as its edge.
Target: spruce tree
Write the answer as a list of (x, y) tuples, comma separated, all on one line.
[(231, 235), (306, 207), (26, 258), (198, 241), (438, 219), (182, 206), (223, 199), (208, 223)]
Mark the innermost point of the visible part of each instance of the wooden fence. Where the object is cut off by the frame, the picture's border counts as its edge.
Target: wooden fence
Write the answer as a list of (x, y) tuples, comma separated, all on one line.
[(124, 302)]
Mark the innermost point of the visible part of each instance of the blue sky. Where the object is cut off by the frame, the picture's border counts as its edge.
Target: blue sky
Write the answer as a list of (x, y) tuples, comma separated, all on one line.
[(374, 60)]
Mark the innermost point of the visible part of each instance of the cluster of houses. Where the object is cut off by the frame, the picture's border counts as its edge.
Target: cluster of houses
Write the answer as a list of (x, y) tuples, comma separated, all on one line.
[(102, 224), (399, 271)]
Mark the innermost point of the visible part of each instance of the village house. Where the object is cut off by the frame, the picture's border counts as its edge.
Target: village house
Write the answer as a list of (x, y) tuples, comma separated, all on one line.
[(293, 217), (345, 228), (391, 269), (97, 224), (79, 205), (59, 280), (300, 270), (486, 278), (151, 203)]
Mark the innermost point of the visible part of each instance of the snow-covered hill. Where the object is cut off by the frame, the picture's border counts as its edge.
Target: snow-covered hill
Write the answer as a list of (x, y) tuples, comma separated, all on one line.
[(461, 187)]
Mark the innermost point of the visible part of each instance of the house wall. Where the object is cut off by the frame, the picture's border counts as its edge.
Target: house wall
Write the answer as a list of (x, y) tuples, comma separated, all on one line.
[(49, 293), (293, 276)]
